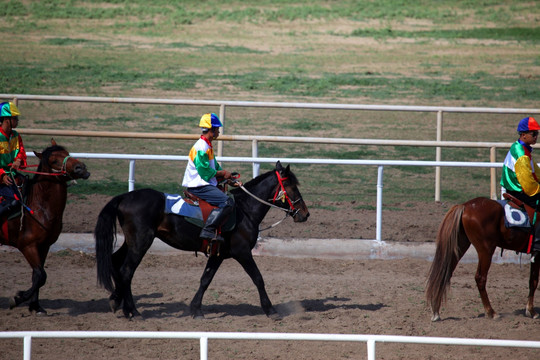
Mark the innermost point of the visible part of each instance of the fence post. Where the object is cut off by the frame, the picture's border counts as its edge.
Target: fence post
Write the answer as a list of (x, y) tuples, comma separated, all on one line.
[(255, 153), (493, 173), (378, 235), (438, 157), (204, 347), (131, 179), (27, 352), (371, 349), (222, 118)]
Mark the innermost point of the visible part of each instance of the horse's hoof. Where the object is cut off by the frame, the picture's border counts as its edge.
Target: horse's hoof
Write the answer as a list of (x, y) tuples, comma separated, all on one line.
[(132, 315), (12, 303), (38, 311), (532, 314), (41, 313), (275, 317), (197, 314), (436, 317), (493, 316), (136, 317), (114, 305)]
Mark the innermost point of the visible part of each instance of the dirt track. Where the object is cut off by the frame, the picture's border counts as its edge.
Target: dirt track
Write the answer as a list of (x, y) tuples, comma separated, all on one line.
[(311, 295)]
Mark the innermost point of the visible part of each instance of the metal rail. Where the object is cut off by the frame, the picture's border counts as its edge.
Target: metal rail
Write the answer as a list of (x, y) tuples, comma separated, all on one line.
[(222, 104), (203, 338)]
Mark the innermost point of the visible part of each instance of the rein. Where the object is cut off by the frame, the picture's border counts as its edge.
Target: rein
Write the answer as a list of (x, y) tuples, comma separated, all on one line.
[(54, 171), (281, 193), (19, 198)]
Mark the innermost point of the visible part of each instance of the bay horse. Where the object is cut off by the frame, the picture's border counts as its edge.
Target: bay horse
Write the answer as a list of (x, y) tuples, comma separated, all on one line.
[(40, 222), (142, 217), (479, 222)]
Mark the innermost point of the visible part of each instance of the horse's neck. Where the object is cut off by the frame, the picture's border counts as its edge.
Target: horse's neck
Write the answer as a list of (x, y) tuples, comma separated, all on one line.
[(256, 210), (47, 194)]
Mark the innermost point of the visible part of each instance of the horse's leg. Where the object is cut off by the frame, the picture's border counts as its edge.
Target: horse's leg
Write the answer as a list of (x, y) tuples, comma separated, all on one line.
[(484, 263), (39, 277), (533, 284), (118, 258), (136, 250), (212, 265), (249, 265)]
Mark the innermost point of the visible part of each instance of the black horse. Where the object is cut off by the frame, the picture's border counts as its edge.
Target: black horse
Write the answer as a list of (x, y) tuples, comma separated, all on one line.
[(142, 216)]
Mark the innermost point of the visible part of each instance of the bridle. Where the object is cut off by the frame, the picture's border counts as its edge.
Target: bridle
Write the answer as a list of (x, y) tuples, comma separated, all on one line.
[(280, 194), (54, 172)]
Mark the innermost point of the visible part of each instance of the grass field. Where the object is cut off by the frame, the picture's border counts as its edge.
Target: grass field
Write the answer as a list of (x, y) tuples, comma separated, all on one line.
[(456, 53)]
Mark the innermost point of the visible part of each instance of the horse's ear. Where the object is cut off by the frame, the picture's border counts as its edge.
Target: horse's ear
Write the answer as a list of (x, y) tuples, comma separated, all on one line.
[(279, 167), (38, 154), (53, 142)]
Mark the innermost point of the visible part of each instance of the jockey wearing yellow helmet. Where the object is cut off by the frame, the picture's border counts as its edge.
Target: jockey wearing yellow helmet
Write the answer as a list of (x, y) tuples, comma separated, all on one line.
[(201, 173), (12, 154)]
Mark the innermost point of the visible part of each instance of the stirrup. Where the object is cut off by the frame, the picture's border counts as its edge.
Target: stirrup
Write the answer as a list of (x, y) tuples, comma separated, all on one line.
[(211, 245)]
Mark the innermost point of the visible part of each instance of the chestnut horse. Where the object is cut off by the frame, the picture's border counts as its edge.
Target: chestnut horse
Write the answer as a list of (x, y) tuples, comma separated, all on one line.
[(40, 222), (479, 222), (142, 217)]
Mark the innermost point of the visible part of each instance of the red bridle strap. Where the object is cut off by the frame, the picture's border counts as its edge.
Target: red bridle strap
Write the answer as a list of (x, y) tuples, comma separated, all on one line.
[(283, 192), (59, 173)]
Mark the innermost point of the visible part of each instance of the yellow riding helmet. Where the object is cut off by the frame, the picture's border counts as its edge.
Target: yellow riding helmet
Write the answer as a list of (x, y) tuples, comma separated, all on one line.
[(209, 121), (9, 109)]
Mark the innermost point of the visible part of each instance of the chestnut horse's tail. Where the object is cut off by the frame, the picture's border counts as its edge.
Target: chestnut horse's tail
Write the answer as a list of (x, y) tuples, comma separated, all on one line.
[(447, 255), (105, 236)]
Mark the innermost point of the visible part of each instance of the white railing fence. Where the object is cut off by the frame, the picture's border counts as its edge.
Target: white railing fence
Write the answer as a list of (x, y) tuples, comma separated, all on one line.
[(223, 104), (203, 337), (379, 163)]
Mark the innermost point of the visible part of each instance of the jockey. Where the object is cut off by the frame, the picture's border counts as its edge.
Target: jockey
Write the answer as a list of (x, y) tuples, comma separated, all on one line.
[(520, 174), (12, 156), (200, 177)]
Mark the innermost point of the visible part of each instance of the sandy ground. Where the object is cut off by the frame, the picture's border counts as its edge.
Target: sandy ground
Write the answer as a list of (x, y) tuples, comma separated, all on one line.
[(311, 295)]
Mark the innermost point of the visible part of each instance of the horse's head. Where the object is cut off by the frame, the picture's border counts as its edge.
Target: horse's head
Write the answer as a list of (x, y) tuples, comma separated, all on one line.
[(289, 195), (56, 159)]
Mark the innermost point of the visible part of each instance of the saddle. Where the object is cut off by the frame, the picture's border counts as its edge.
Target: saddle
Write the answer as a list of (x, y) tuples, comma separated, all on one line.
[(206, 208)]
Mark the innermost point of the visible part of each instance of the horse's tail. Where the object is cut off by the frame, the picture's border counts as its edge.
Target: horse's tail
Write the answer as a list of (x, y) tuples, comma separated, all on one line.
[(447, 255), (105, 236)]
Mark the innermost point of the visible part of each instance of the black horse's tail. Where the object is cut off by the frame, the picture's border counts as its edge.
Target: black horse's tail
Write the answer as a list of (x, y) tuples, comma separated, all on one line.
[(105, 236)]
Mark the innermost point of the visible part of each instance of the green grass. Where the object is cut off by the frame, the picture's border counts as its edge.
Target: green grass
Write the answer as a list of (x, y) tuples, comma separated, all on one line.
[(456, 53), (524, 34)]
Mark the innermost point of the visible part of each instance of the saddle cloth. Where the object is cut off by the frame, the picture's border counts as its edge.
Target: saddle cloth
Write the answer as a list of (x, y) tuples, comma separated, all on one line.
[(192, 211), (514, 216)]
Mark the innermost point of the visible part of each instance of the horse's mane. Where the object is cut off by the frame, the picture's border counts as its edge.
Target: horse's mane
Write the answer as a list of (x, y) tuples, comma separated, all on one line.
[(256, 181), (47, 153)]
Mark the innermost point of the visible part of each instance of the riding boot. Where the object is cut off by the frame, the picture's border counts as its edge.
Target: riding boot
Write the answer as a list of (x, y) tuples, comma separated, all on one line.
[(7, 206), (216, 218)]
